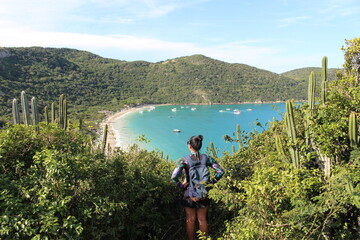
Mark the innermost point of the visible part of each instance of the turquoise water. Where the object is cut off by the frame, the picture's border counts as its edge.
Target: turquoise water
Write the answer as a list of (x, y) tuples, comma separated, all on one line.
[(212, 121)]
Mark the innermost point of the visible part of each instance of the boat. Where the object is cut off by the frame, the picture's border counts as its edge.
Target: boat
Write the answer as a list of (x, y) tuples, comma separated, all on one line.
[(236, 111), (176, 130), (174, 109), (193, 109)]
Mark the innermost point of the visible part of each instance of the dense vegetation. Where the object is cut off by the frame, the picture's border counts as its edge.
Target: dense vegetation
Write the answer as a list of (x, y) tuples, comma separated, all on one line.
[(297, 180), (92, 83)]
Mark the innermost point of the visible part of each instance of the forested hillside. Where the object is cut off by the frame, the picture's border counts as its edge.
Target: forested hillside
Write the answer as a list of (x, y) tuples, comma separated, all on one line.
[(302, 74), (94, 83)]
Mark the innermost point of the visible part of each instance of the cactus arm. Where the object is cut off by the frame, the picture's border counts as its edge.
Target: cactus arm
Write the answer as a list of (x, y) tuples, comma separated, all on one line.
[(353, 130), (104, 138), (324, 79), (25, 108), (291, 130), (212, 149), (238, 134), (15, 111), (34, 111), (311, 91)]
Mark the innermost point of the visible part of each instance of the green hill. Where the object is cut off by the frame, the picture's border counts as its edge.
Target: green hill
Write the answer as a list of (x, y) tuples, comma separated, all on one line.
[(303, 73), (91, 82)]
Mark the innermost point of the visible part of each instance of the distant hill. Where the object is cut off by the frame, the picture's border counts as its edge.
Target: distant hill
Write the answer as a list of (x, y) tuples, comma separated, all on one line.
[(91, 82), (303, 73)]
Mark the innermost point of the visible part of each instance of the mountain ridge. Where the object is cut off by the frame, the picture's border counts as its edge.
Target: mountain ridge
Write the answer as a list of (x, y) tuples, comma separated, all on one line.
[(90, 81)]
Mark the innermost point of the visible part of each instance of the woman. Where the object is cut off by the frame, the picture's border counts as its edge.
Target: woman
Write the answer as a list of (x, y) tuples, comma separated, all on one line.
[(195, 208)]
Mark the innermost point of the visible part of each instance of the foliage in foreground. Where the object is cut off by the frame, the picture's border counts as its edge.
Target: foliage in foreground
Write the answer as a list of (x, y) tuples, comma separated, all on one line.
[(53, 187)]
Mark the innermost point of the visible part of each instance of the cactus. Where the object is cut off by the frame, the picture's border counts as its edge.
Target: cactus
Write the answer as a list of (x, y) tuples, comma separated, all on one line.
[(53, 115), (66, 123), (212, 149), (25, 108), (104, 138), (307, 129), (15, 111), (279, 146), (353, 130), (63, 121), (324, 79), (233, 149), (46, 114), (291, 130), (80, 123), (61, 109), (34, 111), (238, 134), (311, 92)]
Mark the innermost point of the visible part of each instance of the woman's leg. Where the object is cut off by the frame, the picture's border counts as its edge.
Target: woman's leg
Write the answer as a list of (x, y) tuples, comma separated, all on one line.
[(201, 216), (190, 222)]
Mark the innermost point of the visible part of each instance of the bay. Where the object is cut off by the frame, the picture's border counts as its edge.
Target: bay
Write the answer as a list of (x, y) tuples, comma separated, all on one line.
[(156, 124)]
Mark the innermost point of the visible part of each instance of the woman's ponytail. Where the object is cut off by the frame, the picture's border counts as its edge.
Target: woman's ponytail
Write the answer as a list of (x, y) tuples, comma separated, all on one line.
[(196, 143)]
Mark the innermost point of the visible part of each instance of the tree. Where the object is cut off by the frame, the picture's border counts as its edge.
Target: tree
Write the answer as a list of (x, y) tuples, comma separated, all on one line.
[(352, 57)]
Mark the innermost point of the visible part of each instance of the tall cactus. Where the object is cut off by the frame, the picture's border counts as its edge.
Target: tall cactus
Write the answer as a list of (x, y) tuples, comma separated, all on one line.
[(353, 130), (324, 79), (15, 111), (104, 142), (238, 134), (233, 149), (34, 111), (61, 109), (280, 149), (64, 111), (53, 115), (63, 122), (46, 114), (311, 92), (212, 149), (291, 131), (25, 108)]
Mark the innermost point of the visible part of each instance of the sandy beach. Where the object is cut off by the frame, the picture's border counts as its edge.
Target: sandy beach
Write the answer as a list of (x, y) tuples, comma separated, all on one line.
[(111, 137)]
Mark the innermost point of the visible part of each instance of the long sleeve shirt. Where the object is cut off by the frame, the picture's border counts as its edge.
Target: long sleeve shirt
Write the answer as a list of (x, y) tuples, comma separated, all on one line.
[(183, 164)]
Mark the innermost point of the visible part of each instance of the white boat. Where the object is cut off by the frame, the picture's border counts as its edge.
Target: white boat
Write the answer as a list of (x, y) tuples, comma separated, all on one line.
[(221, 111), (193, 109), (176, 130), (151, 108), (174, 109), (236, 111)]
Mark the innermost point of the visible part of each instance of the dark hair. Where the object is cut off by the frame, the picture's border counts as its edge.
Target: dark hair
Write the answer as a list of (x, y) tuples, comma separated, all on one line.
[(196, 142)]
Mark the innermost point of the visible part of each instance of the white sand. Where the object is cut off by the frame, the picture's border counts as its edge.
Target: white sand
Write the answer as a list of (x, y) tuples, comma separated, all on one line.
[(113, 137)]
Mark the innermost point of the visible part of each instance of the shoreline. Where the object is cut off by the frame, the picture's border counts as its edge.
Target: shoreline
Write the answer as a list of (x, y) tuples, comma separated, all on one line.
[(112, 140)]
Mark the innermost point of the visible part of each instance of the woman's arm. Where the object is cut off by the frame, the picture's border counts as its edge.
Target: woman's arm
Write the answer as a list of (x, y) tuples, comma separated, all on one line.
[(177, 172), (213, 164)]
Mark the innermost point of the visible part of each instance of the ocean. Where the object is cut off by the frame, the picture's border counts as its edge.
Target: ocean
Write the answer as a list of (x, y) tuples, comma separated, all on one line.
[(167, 128)]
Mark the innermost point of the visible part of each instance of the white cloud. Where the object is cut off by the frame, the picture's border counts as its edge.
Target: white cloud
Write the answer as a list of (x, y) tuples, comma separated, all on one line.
[(343, 8), (49, 14), (149, 49), (285, 22)]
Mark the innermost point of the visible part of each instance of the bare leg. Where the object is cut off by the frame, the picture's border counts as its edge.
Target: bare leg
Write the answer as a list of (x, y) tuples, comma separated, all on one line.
[(190, 222), (201, 216)]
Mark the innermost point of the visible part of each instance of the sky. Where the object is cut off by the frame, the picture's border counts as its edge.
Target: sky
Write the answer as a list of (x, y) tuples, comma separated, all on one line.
[(275, 35)]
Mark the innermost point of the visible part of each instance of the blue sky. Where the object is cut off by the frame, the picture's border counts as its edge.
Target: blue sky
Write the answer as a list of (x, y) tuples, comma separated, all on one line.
[(276, 35)]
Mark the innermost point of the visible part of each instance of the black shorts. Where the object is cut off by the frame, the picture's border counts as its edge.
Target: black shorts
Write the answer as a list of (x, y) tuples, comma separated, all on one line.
[(187, 202)]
